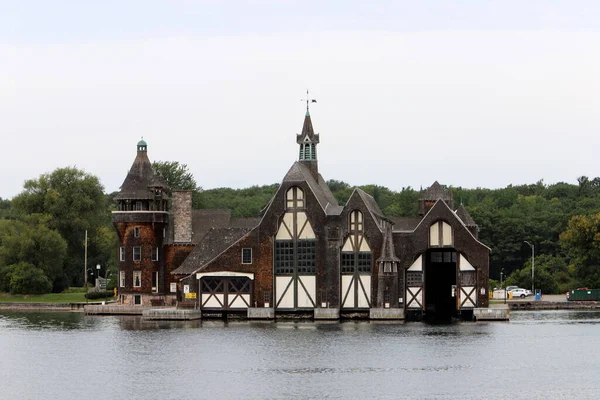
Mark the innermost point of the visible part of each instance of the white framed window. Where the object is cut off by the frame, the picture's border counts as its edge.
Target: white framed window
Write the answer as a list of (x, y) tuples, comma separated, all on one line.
[(247, 255), (137, 278), (121, 253), (173, 287), (121, 278), (155, 254), (136, 231), (137, 253)]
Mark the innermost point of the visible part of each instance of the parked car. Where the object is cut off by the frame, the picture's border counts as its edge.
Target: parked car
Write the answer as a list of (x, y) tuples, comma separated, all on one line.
[(509, 288), (520, 292)]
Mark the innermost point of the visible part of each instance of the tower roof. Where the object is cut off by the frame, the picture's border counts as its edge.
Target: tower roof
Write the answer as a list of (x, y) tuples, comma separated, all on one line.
[(436, 192), (141, 178), (388, 253), (307, 131)]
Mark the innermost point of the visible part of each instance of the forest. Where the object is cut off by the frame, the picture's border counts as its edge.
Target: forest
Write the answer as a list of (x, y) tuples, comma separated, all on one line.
[(42, 229)]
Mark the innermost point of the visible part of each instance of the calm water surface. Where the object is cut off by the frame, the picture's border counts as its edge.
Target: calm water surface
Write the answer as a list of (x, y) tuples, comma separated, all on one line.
[(537, 355)]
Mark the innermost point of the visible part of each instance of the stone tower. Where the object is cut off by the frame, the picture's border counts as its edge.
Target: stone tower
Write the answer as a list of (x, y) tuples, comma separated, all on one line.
[(141, 222)]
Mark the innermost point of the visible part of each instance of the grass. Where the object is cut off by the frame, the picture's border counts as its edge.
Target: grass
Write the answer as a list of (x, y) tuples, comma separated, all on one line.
[(64, 297)]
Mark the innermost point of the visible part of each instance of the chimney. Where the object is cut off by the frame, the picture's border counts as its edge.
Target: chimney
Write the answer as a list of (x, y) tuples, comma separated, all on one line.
[(182, 216)]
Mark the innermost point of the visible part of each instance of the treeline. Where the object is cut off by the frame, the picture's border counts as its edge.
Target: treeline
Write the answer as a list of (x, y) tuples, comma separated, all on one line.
[(42, 229)]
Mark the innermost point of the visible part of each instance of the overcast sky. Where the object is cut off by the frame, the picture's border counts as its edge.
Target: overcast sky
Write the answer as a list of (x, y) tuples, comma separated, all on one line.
[(469, 93)]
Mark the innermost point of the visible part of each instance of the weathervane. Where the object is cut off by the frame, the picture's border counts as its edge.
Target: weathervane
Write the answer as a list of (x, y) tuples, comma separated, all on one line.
[(308, 100)]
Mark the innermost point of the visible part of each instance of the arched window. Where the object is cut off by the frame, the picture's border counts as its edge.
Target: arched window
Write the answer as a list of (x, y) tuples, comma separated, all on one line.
[(440, 234), (294, 198), (356, 221)]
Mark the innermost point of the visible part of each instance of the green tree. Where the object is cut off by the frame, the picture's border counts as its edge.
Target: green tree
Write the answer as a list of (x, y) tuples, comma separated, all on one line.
[(75, 202), (32, 242), (176, 174), (581, 240), (25, 278)]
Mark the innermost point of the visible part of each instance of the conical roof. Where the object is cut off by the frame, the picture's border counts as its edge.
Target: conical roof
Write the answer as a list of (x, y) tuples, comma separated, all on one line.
[(307, 131), (388, 253), (140, 179)]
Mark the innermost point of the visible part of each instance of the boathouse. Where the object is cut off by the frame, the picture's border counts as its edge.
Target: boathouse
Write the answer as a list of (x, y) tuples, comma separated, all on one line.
[(306, 255)]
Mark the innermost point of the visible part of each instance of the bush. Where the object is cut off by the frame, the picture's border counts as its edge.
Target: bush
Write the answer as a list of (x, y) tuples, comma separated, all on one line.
[(99, 295), (25, 278)]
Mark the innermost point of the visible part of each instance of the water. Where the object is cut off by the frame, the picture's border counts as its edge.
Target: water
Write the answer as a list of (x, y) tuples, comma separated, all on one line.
[(538, 355)]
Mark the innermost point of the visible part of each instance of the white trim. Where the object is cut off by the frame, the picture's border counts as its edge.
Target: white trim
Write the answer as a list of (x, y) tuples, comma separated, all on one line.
[(225, 273)]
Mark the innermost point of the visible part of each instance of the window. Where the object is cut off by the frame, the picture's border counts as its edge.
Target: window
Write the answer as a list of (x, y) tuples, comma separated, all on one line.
[(247, 256), (138, 206), (121, 278), (136, 231), (173, 286), (121, 253), (155, 281), (356, 221), (284, 257), (364, 261), (267, 297), (137, 278), (347, 263), (137, 299), (137, 253), (155, 254), (294, 198), (307, 256)]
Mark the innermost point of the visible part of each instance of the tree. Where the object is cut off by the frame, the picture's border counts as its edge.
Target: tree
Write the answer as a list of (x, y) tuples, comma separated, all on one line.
[(25, 278), (31, 242), (74, 201), (177, 175), (581, 240)]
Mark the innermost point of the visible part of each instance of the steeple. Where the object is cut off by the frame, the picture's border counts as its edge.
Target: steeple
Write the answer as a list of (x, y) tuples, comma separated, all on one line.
[(307, 142)]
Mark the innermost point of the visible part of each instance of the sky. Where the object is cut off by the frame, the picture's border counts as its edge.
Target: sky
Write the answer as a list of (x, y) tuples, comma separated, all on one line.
[(469, 93)]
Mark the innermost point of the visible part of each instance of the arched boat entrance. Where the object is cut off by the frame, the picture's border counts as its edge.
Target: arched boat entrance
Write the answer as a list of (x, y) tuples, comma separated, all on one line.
[(440, 283)]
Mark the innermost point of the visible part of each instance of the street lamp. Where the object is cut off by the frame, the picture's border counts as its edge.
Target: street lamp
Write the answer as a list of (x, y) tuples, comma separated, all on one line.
[(98, 268), (501, 274), (532, 266)]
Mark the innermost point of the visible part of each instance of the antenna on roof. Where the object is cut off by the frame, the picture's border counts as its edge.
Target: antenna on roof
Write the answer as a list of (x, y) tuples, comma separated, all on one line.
[(308, 101)]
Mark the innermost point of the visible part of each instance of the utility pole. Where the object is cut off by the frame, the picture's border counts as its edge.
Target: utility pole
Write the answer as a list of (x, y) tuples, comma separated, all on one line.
[(85, 263)]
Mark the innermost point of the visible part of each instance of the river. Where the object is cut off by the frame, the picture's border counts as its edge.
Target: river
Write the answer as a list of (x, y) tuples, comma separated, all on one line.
[(537, 355)]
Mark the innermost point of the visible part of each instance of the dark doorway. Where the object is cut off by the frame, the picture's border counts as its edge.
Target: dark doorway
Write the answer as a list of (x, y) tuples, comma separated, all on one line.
[(440, 283)]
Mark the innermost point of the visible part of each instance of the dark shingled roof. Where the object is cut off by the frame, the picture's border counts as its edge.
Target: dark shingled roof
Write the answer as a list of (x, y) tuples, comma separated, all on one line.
[(371, 205), (140, 179), (216, 241), (300, 173), (436, 192), (464, 215), (405, 223), (388, 253), (307, 131)]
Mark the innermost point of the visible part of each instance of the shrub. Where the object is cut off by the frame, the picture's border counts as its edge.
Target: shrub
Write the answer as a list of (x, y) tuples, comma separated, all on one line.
[(99, 295), (25, 278)]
